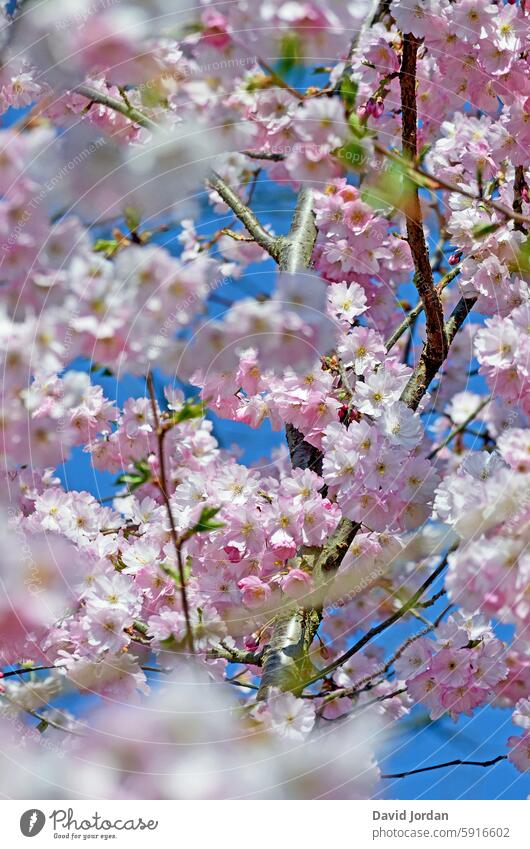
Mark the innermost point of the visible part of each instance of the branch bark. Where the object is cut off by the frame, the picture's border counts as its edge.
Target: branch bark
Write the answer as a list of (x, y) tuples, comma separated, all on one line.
[(427, 369), (382, 626), (96, 96), (456, 762), (418, 309), (519, 184), (436, 347), (269, 243)]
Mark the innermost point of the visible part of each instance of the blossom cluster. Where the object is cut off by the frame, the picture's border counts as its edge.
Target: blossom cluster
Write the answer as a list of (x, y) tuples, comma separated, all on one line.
[(145, 182)]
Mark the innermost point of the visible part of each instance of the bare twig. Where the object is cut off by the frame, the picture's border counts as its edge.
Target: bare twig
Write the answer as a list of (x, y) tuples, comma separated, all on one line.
[(163, 487), (409, 320), (242, 211), (382, 626), (435, 183), (427, 369), (460, 428), (456, 762)]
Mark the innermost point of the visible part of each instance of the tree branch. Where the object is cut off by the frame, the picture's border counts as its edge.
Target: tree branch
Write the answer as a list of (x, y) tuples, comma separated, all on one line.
[(435, 183), (303, 455), (519, 184), (426, 369), (296, 249), (96, 96), (269, 243), (409, 320), (163, 487), (382, 626), (461, 427), (234, 655), (456, 762), (436, 347)]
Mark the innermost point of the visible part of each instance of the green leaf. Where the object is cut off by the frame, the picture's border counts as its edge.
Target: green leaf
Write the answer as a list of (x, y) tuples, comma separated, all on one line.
[(171, 572), (109, 246), (348, 92), (522, 263), (481, 230), (356, 126), (389, 189), (132, 218), (192, 409), (132, 480), (206, 522), (289, 52), (352, 155), (424, 151)]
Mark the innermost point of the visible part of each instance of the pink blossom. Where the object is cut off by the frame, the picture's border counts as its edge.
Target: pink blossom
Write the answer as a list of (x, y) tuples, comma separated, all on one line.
[(255, 593), (296, 584)]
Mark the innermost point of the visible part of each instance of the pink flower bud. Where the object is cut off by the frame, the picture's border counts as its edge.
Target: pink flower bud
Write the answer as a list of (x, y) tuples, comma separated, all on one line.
[(297, 583), (235, 551), (378, 108), (251, 642), (215, 29), (255, 592)]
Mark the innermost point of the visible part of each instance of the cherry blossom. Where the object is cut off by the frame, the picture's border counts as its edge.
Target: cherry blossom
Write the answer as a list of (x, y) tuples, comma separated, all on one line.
[(217, 221)]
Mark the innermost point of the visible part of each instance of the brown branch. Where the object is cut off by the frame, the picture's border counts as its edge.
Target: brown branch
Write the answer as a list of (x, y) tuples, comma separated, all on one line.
[(382, 671), (303, 455), (25, 670), (427, 368), (268, 156), (519, 184), (435, 183), (436, 347), (163, 487), (409, 320), (456, 762)]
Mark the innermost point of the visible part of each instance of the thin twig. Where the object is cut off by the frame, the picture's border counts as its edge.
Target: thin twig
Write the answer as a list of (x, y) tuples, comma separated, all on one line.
[(409, 320), (460, 428), (163, 487), (242, 211), (434, 183), (456, 762), (427, 369), (378, 629)]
